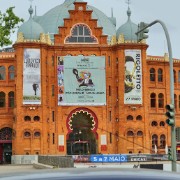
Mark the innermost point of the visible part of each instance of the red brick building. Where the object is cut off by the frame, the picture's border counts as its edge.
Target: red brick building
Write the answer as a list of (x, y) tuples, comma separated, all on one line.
[(75, 85)]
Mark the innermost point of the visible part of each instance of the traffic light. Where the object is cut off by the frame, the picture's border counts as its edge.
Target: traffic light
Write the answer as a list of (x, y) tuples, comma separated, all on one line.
[(143, 34), (169, 154), (170, 114)]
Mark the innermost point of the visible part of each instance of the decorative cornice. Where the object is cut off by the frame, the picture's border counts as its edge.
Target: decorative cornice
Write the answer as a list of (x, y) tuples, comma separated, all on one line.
[(6, 56), (164, 58), (44, 38)]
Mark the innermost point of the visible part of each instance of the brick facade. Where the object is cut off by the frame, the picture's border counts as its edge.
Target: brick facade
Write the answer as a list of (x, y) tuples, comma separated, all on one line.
[(112, 118)]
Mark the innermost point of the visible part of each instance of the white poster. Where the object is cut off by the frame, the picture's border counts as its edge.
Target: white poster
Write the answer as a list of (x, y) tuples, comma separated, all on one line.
[(81, 80), (32, 77), (133, 77), (103, 140)]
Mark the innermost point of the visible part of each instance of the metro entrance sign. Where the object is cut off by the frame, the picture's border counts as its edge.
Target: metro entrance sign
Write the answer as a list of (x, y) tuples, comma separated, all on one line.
[(108, 158)]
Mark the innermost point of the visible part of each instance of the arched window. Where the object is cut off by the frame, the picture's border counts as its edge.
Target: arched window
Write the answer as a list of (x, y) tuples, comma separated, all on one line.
[(81, 33), (160, 75), (27, 134), (36, 118), (27, 118), (153, 100), (162, 141), (2, 73), (129, 118), (162, 123), (178, 76), (130, 133), (161, 100), (11, 72), (152, 74), (154, 123), (154, 140), (2, 99), (139, 133), (174, 73), (37, 134), (6, 133), (139, 118), (175, 101), (11, 99)]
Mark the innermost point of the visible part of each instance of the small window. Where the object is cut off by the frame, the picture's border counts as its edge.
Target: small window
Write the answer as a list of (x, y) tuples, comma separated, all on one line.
[(175, 101), (110, 115), (174, 73), (27, 134), (11, 72), (109, 90), (110, 137), (178, 76), (139, 133), (139, 118), (154, 123), (153, 100), (36, 118), (2, 99), (152, 75), (27, 118), (2, 73), (52, 60), (162, 123), (130, 133), (161, 100), (109, 60), (53, 140), (37, 134), (11, 99), (129, 118), (162, 141), (160, 75), (53, 118), (154, 141), (52, 90)]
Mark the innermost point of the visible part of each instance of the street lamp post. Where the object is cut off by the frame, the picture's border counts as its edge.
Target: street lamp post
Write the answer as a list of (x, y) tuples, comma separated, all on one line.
[(173, 127)]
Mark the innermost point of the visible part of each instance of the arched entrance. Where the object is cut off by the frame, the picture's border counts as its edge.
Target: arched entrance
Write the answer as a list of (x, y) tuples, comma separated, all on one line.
[(5, 145), (82, 136)]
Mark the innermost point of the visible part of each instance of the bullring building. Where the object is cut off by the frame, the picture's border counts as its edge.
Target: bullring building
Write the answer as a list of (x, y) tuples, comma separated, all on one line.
[(74, 83)]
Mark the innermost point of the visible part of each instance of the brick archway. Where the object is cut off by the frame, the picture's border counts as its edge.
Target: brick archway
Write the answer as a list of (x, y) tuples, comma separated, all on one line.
[(82, 125)]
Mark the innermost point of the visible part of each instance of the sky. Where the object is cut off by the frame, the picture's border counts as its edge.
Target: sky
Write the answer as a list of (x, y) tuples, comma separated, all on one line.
[(141, 11)]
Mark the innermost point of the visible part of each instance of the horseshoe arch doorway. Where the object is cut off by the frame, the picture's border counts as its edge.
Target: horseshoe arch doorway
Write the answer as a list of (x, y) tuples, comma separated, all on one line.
[(82, 136)]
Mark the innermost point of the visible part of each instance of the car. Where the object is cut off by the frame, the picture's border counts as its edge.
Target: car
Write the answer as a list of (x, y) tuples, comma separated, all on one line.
[(92, 174)]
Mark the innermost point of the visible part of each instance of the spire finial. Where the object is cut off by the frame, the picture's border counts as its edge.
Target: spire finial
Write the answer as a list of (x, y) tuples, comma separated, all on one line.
[(128, 2), (128, 11), (112, 12), (30, 9)]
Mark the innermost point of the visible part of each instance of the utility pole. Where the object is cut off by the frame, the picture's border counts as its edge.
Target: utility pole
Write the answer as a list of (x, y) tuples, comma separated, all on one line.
[(173, 125)]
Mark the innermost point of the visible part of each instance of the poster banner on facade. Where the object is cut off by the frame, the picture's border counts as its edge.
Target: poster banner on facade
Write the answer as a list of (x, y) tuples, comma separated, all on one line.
[(32, 77), (133, 77), (81, 80)]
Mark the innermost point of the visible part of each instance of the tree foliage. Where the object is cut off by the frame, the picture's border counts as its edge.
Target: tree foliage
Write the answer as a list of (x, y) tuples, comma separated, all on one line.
[(8, 23)]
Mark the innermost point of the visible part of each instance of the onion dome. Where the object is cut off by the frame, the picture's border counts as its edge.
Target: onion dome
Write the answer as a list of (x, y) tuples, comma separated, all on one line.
[(31, 29), (54, 18), (128, 29)]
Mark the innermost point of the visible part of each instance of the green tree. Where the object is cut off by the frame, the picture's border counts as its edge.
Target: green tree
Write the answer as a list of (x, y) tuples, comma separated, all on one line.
[(8, 23)]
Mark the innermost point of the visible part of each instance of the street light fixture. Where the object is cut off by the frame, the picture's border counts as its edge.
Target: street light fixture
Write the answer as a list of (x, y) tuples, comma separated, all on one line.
[(173, 127)]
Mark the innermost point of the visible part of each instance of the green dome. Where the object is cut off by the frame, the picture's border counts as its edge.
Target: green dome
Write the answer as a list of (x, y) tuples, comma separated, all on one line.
[(128, 29), (54, 18), (31, 29)]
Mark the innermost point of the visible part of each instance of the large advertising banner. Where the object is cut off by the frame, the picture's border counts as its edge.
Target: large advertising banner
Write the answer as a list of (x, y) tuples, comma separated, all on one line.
[(32, 77), (133, 77), (81, 80)]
